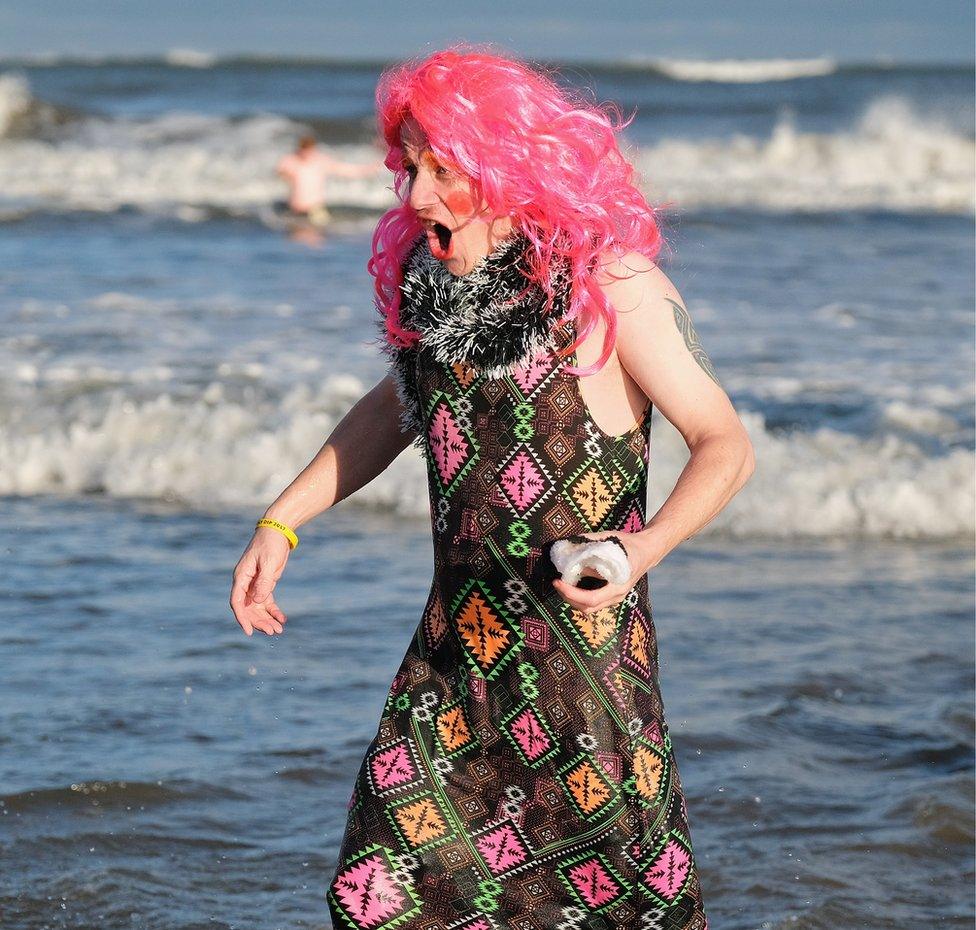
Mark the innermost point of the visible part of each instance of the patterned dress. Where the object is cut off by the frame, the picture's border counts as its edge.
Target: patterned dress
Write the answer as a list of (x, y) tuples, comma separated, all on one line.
[(522, 774)]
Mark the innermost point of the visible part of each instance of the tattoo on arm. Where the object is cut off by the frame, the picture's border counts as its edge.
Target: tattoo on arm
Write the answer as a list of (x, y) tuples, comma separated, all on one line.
[(687, 329)]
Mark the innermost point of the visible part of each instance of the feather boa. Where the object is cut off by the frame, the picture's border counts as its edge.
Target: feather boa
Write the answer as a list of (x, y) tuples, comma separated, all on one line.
[(494, 318)]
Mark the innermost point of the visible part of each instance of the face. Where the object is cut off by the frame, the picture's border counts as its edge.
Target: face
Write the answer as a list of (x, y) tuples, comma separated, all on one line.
[(459, 230)]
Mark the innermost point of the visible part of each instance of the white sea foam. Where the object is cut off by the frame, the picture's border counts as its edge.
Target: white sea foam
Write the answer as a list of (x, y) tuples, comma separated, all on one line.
[(893, 158), (15, 99), (182, 164), (920, 418), (743, 71), (190, 58), (188, 165), (211, 451)]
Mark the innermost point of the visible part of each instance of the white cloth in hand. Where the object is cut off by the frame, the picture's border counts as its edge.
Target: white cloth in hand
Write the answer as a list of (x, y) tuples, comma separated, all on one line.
[(607, 557)]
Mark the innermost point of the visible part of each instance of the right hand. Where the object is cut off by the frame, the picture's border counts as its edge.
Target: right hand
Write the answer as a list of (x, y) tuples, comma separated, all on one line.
[(255, 576)]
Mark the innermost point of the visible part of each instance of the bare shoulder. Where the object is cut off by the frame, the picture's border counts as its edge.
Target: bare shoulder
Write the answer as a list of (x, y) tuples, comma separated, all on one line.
[(634, 282), (644, 296), (653, 323)]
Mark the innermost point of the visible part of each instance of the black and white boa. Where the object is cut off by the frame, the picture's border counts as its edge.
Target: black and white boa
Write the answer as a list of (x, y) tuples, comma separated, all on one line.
[(493, 318)]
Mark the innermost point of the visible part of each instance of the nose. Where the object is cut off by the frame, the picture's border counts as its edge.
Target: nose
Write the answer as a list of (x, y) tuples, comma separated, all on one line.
[(421, 192)]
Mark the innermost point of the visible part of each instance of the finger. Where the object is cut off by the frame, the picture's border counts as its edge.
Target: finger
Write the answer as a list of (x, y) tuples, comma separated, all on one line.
[(279, 615), (239, 607), (243, 574), (574, 596), (613, 595), (259, 591), (245, 624), (588, 606), (239, 590), (270, 624), (273, 609), (262, 586)]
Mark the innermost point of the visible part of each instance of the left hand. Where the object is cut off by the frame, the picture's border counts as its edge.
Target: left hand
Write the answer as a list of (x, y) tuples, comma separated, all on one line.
[(590, 600)]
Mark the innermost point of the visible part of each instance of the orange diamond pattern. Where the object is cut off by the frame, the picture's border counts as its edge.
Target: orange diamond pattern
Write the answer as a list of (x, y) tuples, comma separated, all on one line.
[(453, 729), (639, 647), (597, 628), (648, 771), (482, 630), (464, 373), (592, 495), (421, 822), (588, 787)]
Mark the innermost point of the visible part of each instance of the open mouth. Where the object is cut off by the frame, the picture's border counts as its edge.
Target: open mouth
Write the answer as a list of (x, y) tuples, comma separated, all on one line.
[(439, 240)]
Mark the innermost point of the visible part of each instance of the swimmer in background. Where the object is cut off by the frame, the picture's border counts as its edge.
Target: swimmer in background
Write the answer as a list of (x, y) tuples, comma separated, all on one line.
[(306, 169)]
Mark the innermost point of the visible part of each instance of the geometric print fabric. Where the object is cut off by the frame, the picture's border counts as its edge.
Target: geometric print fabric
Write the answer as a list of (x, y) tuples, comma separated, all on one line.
[(522, 774)]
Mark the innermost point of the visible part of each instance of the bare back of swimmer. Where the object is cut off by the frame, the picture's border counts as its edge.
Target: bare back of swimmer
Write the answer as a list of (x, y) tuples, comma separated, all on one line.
[(306, 170)]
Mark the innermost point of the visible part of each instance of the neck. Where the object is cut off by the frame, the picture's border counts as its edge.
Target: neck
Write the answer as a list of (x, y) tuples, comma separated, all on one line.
[(494, 318), (497, 235)]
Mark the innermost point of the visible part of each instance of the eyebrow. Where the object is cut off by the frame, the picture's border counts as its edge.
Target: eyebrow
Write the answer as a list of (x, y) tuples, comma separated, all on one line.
[(426, 150)]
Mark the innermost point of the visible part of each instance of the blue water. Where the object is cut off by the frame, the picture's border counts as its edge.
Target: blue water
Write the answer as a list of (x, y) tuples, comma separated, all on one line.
[(170, 359)]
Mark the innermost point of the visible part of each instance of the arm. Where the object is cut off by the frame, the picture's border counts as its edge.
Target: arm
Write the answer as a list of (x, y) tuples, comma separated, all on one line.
[(347, 169), (658, 346), (363, 444)]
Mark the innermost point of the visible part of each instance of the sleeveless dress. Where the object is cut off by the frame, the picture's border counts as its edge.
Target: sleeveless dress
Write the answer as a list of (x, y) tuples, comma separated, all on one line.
[(522, 774)]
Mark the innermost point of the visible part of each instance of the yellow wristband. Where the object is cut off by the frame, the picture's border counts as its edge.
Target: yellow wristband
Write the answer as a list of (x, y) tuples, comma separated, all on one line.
[(286, 531)]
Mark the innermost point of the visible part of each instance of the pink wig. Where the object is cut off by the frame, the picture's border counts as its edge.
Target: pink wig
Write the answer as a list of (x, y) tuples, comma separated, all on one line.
[(534, 152)]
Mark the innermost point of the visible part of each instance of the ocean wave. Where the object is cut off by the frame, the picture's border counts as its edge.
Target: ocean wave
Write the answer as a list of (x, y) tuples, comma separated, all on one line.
[(893, 158), (186, 165), (15, 98), (214, 450), (741, 71), (181, 164), (23, 116), (730, 70), (110, 795), (190, 58)]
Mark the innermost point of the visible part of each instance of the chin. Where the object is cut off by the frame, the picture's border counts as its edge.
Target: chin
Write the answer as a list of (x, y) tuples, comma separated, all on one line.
[(457, 266)]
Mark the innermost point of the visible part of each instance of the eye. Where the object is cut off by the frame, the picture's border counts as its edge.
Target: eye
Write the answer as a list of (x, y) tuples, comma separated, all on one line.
[(411, 169), (443, 172)]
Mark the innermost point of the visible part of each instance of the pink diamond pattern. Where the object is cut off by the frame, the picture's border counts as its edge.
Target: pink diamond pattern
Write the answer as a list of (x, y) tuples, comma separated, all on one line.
[(536, 633), (530, 735), (502, 848), (610, 762), (668, 872), (523, 482), (393, 767), (450, 449), (633, 523), (595, 885), (369, 893), (653, 732), (529, 376)]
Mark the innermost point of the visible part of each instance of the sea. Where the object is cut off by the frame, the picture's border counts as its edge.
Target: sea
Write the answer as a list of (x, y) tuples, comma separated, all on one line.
[(172, 355)]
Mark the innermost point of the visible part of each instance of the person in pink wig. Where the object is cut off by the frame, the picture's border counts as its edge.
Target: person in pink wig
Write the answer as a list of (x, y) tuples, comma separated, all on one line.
[(522, 773)]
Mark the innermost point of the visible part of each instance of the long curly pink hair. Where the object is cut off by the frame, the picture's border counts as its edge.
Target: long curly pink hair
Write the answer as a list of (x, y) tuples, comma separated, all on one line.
[(536, 152)]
